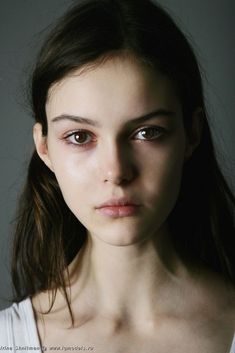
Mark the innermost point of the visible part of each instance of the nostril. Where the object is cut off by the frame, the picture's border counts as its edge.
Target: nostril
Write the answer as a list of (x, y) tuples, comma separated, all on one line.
[(118, 166), (121, 177)]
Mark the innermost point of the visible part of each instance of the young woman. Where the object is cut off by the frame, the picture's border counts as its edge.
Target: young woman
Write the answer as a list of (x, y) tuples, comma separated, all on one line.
[(125, 233)]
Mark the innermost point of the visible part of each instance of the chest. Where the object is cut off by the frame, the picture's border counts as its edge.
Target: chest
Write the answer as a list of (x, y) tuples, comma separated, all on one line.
[(166, 337)]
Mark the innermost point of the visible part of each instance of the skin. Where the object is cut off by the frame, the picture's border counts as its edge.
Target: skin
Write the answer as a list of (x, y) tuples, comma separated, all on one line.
[(127, 279)]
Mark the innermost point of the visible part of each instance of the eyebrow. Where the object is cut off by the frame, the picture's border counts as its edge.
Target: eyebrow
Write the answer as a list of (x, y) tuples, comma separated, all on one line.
[(140, 119)]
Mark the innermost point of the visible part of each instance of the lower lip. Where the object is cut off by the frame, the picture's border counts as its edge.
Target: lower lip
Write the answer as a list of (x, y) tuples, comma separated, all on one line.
[(119, 211)]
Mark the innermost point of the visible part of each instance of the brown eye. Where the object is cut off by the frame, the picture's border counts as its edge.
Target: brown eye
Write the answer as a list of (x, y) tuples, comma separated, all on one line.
[(149, 133), (79, 138)]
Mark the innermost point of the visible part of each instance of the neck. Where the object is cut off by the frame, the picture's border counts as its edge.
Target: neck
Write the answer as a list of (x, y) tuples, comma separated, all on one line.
[(127, 281)]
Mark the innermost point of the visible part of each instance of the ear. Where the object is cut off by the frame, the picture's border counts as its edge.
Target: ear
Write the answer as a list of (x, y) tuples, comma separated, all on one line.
[(193, 134), (40, 141)]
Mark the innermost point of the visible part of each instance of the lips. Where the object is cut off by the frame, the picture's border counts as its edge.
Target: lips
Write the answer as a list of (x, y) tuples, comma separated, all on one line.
[(122, 207)]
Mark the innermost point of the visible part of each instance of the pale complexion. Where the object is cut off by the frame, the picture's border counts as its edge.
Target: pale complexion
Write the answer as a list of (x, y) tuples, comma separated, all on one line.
[(116, 131)]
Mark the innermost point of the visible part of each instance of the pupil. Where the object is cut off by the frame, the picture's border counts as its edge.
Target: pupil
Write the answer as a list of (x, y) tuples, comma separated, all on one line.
[(148, 133), (80, 137)]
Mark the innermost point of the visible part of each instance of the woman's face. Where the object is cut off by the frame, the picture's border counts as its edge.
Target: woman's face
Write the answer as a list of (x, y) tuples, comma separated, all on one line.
[(116, 143)]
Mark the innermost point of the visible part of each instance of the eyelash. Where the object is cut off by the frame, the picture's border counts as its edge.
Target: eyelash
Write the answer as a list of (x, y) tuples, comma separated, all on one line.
[(71, 136), (160, 131)]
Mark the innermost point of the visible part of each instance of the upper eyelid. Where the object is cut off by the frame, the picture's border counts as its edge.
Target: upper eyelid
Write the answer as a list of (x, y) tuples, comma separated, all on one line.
[(77, 144), (72, 132), (152, 126), (161, 128), (125, 133)]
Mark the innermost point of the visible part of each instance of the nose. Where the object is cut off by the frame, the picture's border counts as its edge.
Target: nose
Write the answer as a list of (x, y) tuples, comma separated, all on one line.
[(117, 165)]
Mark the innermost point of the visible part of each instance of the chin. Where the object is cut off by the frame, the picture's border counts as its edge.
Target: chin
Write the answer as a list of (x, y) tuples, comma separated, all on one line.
[(119, 235), (119, 241)]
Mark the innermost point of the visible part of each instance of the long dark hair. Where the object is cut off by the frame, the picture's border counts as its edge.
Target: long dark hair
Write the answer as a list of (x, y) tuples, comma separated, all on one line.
[(202, 224)]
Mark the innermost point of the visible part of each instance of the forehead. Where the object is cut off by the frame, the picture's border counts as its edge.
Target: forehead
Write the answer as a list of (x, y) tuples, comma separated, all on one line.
[(119, 87)]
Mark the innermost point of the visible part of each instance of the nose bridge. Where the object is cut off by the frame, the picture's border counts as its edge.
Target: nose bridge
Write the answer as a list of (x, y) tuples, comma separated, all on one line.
[(117, 164)]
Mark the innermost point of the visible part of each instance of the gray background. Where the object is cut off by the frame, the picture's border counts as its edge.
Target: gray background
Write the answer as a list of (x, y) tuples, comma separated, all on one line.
[(23, 23)]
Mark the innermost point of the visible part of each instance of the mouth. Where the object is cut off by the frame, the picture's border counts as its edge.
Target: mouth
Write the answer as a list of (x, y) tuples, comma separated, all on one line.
[(119, 208)]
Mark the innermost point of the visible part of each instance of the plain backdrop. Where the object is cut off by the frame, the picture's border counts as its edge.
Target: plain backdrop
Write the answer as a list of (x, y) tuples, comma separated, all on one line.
[(210, 26)]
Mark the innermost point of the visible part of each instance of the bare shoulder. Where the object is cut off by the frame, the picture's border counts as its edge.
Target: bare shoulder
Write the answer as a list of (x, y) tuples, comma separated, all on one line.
[(213, 295), (50, 305), (206, 306)]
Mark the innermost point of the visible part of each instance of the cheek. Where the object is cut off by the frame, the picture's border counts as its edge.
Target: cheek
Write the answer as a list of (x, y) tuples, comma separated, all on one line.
[(75, 184), (72, 173), (73, 179), (164, 173)]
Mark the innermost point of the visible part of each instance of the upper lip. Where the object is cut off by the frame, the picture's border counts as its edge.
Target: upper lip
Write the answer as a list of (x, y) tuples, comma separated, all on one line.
[(124, 201)]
